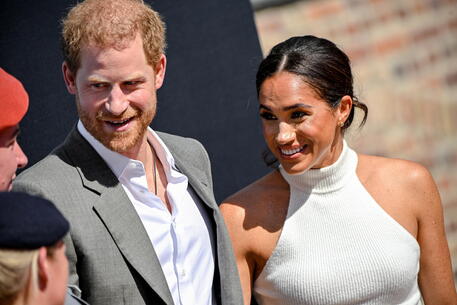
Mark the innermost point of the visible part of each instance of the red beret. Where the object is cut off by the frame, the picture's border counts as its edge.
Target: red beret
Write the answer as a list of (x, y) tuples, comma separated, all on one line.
[(14, 100)]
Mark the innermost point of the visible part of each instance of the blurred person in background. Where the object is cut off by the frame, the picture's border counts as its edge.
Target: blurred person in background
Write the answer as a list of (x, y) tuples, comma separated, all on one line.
[(14, 103), (330, 225), (33, 265)]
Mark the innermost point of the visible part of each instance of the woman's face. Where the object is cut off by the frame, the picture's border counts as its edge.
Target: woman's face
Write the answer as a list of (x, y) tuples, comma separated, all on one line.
[(299, 127)]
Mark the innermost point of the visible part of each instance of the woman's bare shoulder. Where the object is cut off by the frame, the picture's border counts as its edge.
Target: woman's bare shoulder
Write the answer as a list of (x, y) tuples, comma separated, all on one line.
[(256, 201), (397, 171), (256, 192), (399, 181)]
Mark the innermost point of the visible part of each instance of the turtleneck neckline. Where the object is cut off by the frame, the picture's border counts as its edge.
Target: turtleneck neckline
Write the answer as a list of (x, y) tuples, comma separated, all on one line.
[(326, 179)]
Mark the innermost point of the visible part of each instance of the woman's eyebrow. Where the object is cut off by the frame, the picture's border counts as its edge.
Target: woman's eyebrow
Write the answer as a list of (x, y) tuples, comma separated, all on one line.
[(298, 105)]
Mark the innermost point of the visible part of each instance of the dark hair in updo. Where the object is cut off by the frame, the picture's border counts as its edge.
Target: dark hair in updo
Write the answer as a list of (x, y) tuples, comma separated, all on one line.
[(320, 63)]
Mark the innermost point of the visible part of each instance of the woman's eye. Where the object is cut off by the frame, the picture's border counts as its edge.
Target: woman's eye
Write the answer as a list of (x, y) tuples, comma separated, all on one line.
[(297, 114), (267, 116)]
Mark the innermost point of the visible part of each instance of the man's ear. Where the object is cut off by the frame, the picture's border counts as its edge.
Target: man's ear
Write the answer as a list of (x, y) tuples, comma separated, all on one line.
[(344, 108), (43, 268), (160, 71), (69, 78)]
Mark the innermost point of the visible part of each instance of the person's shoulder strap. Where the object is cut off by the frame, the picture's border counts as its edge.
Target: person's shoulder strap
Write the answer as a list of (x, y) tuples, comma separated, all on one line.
[(72, 299)]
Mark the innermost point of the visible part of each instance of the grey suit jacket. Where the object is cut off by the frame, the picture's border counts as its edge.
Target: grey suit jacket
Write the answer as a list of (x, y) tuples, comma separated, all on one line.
[(72, 299), (111, 257)]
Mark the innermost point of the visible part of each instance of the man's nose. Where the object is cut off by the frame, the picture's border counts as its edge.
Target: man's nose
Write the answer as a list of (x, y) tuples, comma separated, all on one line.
[(21, 158), (286, 133), (117, 101)]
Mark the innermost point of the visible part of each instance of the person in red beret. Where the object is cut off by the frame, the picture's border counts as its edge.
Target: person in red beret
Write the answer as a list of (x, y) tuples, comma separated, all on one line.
[(14, 103)]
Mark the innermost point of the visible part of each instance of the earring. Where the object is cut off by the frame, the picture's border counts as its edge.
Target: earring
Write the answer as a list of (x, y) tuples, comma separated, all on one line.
[(341, 124)]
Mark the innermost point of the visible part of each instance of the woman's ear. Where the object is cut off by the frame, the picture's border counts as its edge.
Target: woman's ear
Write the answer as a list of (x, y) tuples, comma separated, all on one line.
[(43, 268), (344, 109)]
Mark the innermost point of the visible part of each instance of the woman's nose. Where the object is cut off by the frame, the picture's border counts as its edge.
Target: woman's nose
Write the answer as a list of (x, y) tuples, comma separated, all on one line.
[(286, 133)]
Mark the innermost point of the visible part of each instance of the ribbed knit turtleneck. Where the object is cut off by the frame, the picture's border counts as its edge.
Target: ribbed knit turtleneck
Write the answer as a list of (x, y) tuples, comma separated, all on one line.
[(338, 246), (326, 179)]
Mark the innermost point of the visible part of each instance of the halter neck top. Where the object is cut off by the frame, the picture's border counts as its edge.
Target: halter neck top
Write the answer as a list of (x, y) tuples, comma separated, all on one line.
[(338, 246)]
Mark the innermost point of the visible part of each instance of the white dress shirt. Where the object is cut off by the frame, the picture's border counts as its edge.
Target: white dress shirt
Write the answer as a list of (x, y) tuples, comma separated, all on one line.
[(182, 238)]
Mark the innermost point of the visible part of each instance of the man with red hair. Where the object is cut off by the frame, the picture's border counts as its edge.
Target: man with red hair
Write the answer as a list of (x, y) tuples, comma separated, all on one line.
[(146, 228)]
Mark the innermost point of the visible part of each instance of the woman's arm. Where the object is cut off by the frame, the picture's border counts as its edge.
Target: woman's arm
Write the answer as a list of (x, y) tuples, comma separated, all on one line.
[(410, 196), (435, 275), (234, 217)]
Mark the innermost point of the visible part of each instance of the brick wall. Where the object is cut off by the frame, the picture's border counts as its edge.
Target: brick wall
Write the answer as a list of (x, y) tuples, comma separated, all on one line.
[(404, 56)]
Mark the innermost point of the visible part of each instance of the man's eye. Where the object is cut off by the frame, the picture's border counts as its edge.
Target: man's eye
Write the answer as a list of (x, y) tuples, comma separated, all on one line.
[(267, 116), (132, 83), (297, 114), (98, 85)]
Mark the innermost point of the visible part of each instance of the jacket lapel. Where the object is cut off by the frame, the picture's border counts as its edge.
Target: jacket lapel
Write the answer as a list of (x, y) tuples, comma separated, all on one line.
[(197, 178), (226, 276), (118, 214), (124, 225), (200, 187)]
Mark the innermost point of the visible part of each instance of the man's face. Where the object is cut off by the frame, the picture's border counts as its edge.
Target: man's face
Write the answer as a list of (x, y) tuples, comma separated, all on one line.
[(11, 157), (116, 94)]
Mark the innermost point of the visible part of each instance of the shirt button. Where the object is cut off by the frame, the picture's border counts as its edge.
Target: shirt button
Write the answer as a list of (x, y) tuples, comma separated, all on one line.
[(183, 272)]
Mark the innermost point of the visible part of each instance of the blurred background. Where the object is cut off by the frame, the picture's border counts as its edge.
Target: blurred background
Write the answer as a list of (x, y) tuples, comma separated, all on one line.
[(404, 60)]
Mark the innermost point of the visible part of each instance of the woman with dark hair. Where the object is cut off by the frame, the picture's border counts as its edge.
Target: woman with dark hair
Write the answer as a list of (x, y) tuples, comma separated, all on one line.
[(329, 225)]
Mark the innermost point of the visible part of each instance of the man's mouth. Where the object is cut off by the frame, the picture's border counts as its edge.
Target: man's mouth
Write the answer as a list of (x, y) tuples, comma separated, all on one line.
[(290, 152), (119, 123)]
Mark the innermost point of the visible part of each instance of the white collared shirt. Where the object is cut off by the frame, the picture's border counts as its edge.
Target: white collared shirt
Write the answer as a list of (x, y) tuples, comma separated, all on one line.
[(181, 239)]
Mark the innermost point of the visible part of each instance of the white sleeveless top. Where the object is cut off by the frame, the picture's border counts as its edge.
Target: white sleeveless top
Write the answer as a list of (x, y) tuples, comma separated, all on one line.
[(338, 246)]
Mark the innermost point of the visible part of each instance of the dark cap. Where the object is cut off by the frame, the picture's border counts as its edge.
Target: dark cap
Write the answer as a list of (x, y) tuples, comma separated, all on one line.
[(29, 222)]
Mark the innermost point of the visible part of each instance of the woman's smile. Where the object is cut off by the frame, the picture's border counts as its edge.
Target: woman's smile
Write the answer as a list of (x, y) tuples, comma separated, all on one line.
[(290, 152), (298, 125)]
